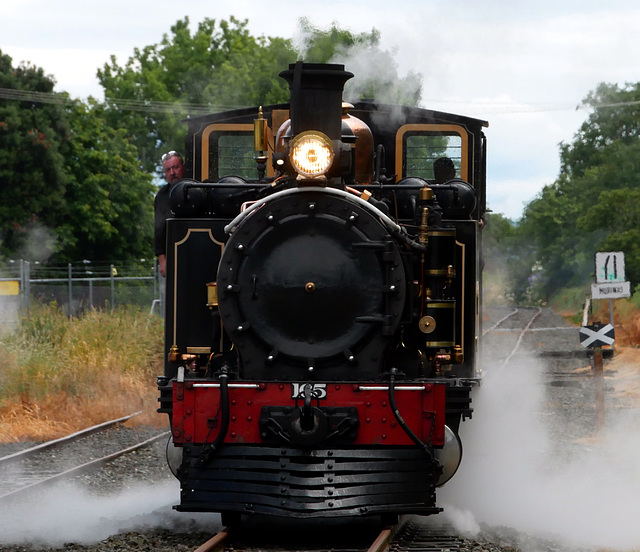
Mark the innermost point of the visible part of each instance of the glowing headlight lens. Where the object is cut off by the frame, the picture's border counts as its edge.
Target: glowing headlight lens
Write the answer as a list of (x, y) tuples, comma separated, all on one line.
[(311, 153)]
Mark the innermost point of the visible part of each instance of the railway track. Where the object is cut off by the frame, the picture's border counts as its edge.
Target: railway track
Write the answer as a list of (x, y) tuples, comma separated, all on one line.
[(53, 461), (412, 534), (512, 333)]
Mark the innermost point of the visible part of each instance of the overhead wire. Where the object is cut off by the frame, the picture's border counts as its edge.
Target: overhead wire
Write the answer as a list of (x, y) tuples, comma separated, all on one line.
[(182, 108), (124, 104)]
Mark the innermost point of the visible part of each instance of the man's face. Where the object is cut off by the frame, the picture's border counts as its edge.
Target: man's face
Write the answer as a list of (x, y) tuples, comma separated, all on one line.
[(173, 169)]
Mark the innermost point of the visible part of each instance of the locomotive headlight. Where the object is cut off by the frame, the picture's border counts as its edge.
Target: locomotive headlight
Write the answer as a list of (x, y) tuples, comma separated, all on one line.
[(311, 153)]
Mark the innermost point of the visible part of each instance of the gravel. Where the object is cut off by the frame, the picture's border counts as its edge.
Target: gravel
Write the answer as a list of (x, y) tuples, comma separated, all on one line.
[(128, 505)]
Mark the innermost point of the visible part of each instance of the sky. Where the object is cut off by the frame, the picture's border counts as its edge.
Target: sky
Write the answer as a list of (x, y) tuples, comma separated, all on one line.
[(524, 66)]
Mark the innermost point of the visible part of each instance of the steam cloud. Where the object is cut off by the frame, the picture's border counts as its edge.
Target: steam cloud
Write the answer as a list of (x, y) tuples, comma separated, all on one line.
[(513, 474), (68, 514), (371, 66), (38, 243)]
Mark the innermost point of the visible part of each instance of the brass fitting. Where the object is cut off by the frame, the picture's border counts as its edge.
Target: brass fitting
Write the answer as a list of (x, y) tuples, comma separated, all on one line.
[(423, 230), (426, 194), (458, 356), (212, 295), (174, 354), (260, 132)]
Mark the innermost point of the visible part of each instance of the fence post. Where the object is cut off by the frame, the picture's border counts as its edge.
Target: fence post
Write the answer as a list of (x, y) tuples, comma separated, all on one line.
[(113, 284), (69, 275), (155, 277), (24, 291), (23, 303), (27, 287)]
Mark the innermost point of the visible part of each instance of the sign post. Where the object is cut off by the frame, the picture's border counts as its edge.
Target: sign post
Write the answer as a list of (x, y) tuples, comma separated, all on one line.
[(598, 376), (596, 336)]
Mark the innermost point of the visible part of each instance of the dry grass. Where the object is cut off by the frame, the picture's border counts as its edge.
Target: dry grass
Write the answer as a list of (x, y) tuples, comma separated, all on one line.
[(625, 367), (59, 375), (626, 320)]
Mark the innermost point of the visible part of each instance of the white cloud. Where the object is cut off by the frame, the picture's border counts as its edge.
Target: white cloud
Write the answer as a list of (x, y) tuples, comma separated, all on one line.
[(73, 70)]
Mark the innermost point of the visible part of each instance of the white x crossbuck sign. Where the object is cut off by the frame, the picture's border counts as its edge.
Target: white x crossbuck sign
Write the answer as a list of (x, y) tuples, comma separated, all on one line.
[(597, 335)]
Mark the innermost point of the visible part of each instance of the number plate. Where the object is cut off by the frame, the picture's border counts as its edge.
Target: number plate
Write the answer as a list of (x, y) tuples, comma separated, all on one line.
[(318, 390)]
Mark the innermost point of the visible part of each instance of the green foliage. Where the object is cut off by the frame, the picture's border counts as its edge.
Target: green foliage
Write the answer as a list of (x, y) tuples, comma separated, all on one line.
[(34, 140), (512, 260), (219, 65), (594, 205), (570, 302), (615, 116), (324, 46), (72, 186), (110, 197)]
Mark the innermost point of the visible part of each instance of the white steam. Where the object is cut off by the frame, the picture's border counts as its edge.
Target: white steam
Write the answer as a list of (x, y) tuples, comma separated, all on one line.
[(68, 514), (37, 242), (375, 69), (514, 475)]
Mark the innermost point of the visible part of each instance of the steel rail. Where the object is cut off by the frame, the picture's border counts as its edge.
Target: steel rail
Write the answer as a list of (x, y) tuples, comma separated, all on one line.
[(215, 543), (383, 540), (21, 454), (82, 468), (521, 337), (382, 543), (492, 328)]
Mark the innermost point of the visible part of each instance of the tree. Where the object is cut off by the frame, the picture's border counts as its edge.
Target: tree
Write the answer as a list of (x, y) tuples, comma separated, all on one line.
[(109, 212), (72, 187), (34, 140), (218, 66), (509, 264), (615, 117)]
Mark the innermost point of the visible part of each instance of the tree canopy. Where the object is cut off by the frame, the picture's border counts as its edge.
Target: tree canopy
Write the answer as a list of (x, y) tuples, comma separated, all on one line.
[(72, 187), (219, 66), (34, 141)]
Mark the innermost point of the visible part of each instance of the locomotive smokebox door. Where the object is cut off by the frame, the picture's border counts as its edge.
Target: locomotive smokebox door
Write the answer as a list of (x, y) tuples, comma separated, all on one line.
[(311, 284)]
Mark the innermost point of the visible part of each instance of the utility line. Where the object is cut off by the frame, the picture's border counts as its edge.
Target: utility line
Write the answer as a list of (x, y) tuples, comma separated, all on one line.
[(124, 104), (183, 108)]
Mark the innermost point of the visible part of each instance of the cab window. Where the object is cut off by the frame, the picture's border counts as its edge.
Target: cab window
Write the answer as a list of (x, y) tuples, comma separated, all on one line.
[(232, 153), (422, 149)]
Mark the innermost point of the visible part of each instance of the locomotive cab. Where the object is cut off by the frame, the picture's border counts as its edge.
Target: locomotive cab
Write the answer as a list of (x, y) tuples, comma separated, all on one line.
[(322, 315)]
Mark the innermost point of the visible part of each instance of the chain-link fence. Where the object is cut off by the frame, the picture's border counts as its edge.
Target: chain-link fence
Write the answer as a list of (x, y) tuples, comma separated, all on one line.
[(77, 287)]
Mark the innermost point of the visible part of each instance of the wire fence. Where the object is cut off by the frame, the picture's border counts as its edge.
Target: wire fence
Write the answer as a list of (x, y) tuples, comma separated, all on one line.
[(77, 287)]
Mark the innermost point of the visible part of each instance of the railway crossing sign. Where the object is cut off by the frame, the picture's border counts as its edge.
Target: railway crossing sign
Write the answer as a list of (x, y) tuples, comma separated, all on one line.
[(597, 335)]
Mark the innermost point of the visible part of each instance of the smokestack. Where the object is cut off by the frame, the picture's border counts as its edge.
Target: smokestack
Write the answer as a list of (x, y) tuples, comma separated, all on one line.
[(316, 97)]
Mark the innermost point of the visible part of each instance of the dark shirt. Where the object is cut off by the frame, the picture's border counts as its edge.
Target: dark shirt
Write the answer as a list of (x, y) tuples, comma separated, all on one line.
[(162, 211)]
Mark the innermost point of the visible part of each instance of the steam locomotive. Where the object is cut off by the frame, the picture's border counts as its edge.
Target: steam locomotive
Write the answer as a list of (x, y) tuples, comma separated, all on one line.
[(322, 304)]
